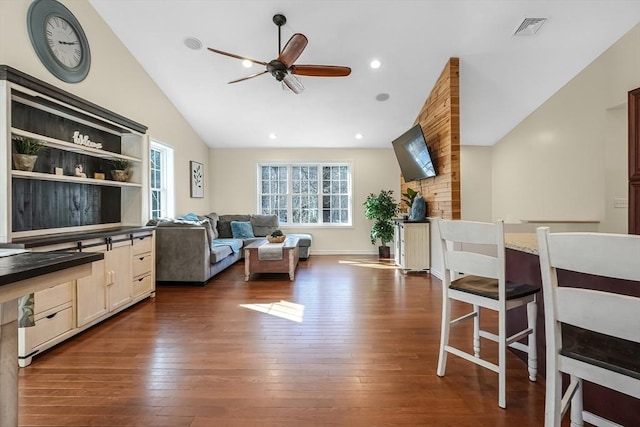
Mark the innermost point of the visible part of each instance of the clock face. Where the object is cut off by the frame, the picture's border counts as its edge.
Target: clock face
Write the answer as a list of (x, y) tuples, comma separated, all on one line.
[(63, 42), (58, 40)]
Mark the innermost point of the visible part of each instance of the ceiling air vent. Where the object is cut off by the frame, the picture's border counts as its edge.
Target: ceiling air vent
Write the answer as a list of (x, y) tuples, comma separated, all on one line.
[(529, 26)]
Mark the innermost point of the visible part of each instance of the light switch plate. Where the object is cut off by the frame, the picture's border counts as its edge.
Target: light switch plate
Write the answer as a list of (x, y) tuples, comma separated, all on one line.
[(620, 203)]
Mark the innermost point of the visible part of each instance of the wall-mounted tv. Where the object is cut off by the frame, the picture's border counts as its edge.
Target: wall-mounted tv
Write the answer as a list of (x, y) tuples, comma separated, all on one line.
[(413, 155)]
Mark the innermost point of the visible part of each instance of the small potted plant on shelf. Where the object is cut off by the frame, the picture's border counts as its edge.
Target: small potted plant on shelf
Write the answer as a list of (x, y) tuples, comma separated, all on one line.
[(121, 170), (381, 208), (276, 236), (27, 150), (408, 199)]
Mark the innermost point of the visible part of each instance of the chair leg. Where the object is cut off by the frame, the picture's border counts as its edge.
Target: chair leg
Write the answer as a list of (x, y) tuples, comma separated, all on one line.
[(502, 360), (476, 331), (553, 397), (576, 404), (444, 336), (532, 353)]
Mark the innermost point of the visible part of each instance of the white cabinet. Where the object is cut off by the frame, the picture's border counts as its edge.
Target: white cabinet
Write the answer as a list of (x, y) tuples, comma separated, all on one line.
[(125, 276), (53, 315), (143, 265), (118, 272), (52, 198), (411, 245), (91, 292)]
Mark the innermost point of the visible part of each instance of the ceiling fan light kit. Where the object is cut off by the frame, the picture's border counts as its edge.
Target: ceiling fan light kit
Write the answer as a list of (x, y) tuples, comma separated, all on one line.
[(283, 68)]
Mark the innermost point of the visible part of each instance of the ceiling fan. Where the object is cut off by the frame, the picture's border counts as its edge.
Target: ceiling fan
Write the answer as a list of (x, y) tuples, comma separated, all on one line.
[(283, 67)]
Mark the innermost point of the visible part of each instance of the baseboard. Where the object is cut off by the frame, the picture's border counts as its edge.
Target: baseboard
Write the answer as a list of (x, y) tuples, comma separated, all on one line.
[(343, 252)]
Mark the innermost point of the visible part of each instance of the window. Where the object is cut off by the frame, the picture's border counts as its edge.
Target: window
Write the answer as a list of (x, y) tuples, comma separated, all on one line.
[(316, 194), (161, 180)]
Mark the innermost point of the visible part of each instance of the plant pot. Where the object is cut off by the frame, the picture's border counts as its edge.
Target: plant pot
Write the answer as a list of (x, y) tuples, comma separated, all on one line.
[(121, 175), (384, 251), (276, 239), (24, 162)]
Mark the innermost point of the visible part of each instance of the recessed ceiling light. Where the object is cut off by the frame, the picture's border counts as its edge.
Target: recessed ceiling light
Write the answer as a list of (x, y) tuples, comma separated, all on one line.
[(246, 63), (272, 136), (382, 97), (375, 64), (193, 43), (359, 136)]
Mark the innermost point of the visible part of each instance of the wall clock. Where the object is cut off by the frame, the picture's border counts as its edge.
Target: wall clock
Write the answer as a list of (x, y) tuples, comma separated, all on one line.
[(59, 41)]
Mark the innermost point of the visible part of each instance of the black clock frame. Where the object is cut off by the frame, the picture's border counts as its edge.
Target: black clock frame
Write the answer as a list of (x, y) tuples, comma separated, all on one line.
[(39, 13)]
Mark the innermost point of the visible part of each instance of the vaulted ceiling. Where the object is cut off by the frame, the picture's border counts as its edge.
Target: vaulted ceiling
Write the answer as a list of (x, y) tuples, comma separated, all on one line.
[(503, 77)]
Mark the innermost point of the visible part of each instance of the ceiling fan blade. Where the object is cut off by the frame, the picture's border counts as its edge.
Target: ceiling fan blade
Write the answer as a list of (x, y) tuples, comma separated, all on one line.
[(320, 70), (236, 56), (293, 49), (249, 77), (293, 83)]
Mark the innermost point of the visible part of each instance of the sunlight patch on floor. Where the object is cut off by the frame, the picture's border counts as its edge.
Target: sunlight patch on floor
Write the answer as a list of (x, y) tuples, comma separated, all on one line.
[(284, 309), (380, 264)]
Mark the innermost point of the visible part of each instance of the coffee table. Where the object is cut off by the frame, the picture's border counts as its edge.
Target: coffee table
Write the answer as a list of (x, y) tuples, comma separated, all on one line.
[(288, 263)]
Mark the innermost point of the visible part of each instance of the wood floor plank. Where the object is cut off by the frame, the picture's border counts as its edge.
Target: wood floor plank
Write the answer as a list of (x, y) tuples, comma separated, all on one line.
[(358, 347)]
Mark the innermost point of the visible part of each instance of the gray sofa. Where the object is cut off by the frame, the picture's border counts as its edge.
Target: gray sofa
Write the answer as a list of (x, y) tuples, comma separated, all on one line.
[(194, 249)]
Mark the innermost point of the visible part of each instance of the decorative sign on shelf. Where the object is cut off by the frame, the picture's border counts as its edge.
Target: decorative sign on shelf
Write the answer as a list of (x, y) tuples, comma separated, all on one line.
[(80, 139)]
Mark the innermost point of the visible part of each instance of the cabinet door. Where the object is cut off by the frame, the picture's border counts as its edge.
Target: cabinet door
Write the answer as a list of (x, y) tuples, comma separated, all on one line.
[(118, 267), (416, 246), (91, 294)]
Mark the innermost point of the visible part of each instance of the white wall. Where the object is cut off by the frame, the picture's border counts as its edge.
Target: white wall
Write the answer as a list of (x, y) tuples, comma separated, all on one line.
[(475, 182), (233, 188), (568, 159), (116, 81)]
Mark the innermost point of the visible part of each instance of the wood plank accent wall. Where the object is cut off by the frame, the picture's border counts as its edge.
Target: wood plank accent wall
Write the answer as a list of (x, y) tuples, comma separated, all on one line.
[(440, 122)]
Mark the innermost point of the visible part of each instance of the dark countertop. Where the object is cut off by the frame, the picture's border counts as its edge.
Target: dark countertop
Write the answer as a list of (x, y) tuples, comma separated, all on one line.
[(28, 265), (54, 239)]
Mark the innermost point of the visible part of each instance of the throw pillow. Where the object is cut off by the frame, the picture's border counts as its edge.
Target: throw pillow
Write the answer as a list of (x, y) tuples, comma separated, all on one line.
[(241, 230), (263, 225), (213, 219)]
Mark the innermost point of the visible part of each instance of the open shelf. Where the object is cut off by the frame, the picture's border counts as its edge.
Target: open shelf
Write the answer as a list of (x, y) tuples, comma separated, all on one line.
[(67, 178), (75, 148)]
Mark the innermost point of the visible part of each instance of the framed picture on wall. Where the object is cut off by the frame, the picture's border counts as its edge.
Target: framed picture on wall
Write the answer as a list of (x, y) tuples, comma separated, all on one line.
[(197, 179)]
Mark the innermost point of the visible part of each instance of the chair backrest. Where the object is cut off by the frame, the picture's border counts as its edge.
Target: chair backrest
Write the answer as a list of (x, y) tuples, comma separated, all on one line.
[(601, 254), (455, 234)]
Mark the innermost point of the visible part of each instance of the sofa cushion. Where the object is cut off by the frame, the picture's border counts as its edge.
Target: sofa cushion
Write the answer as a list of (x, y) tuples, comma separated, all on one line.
[(219, 253), (224, 224), (181, 222), (263, 225), (241, 230), (213, 220)]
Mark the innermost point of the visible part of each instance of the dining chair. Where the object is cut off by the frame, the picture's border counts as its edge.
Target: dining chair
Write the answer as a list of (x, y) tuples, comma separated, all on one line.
[(576, 317), (477, 277)]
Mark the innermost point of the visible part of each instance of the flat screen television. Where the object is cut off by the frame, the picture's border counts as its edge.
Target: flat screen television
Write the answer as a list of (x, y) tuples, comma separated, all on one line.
[(413, 155)]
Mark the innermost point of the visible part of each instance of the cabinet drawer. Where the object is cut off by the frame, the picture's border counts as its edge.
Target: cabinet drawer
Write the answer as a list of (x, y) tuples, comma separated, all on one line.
[(141, 264), (141, 246), (49, 327), (142, 285), (52, 297)]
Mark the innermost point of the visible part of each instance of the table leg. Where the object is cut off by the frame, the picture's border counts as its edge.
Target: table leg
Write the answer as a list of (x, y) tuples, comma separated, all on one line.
[(9, 363), (247, 260)]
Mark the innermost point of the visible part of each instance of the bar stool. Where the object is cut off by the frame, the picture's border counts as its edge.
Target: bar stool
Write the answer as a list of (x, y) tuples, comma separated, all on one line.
[(483, 285), (570, 310)]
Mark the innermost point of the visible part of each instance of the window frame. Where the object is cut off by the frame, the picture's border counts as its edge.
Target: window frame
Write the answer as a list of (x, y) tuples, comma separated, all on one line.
[(290, 195), (167, 181)]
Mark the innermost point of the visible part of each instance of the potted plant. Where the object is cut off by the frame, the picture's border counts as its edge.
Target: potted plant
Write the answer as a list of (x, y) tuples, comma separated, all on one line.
[(381, 208), (409, 197), (121, 170), (27, 150)]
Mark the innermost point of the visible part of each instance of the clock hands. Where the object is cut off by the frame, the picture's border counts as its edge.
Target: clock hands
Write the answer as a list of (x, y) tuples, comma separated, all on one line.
[(68, 43)]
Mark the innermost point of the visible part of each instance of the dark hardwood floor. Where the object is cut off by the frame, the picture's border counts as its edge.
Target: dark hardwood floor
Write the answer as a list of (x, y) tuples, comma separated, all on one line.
[(358, 347)]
